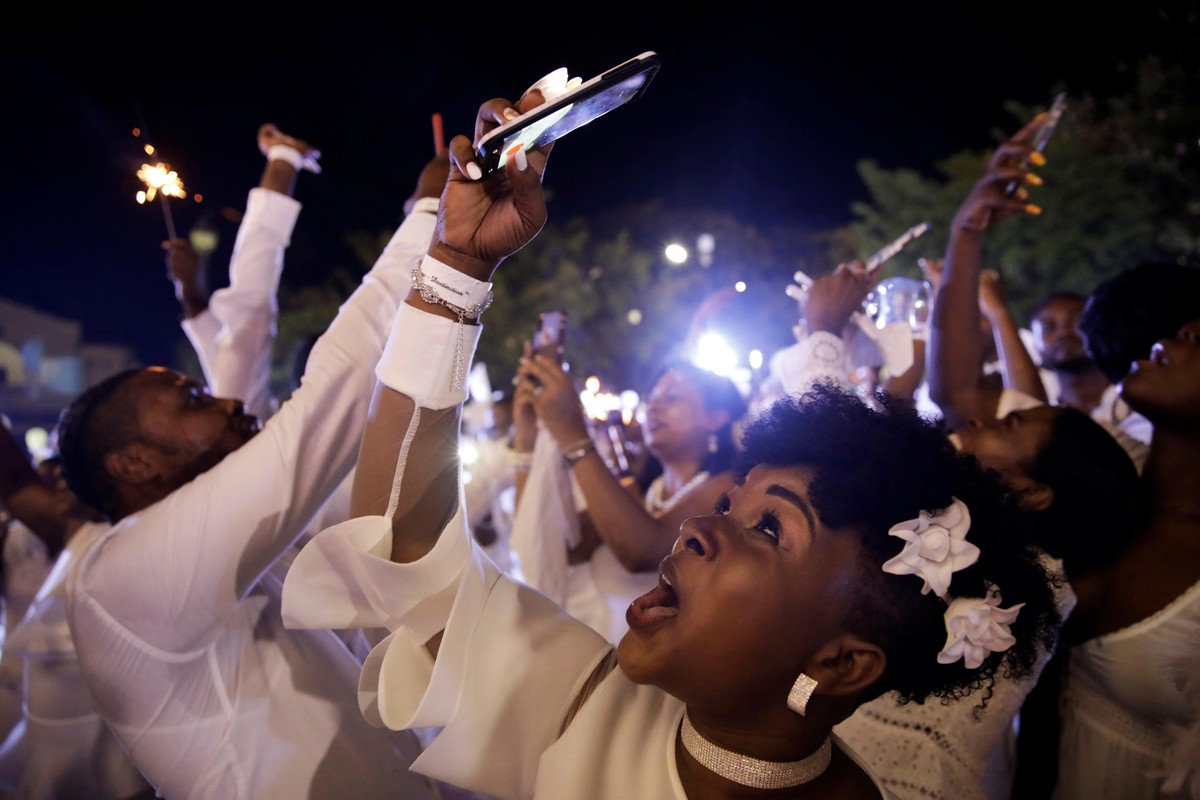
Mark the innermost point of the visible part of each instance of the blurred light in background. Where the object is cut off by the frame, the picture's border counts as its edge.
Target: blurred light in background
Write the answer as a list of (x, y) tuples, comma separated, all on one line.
[(715, 355), (676, 253)]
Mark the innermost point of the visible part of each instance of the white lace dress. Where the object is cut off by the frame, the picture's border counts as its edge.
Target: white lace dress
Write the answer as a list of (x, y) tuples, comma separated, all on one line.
[(1131, 710), (942, 750)]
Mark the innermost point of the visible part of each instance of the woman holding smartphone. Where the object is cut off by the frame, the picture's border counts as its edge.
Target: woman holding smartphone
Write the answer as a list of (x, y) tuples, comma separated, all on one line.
[(622, 533), (856, 553)]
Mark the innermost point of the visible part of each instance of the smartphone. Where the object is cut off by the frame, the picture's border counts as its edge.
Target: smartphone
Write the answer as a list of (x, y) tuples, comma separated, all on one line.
[(573, 109), (550, 336), (895, 246), (1042, 134)]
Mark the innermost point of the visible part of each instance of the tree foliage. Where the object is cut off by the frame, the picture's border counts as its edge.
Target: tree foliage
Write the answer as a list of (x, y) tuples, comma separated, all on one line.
[(1120, 186), (629, 310)]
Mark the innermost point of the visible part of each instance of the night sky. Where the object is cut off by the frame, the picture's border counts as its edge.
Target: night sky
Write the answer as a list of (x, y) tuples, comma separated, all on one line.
[(762, 116)]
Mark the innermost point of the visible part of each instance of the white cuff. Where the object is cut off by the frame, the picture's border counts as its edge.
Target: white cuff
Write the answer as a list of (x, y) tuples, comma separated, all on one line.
[(826, 350), (427, 358), (285, 152), (456, 288), (428, 205), (820, 356)]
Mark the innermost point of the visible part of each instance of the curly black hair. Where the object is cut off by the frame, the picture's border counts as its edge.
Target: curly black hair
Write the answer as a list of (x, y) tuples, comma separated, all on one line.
[(875, 468), (1125, 315), (1097, 493)]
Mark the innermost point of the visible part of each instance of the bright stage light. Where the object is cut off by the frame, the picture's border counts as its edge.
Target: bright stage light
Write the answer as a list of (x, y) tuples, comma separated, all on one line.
[(715, 355), (676, 253)]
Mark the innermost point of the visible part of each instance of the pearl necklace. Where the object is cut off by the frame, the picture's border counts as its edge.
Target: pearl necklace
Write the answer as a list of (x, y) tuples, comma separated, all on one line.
[(754, 772), (657, 506)]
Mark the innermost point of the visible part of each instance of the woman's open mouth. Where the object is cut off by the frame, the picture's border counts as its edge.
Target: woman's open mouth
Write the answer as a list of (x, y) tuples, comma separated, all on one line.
[(657, 605)]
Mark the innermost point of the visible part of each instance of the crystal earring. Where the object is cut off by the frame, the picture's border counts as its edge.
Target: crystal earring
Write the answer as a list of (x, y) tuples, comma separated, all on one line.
[(713, 444), (802, 689)]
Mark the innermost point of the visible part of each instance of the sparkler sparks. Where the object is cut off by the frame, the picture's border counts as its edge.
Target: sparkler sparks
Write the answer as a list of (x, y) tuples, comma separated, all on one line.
[(163, 182)]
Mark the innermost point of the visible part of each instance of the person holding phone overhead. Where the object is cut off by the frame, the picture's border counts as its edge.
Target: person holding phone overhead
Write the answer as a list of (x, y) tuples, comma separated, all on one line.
[(596, 560), (1075, 483), (173, 608), (805, 592)]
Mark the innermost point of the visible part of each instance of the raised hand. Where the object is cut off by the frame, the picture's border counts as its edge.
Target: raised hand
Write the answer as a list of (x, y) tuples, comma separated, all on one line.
[(989, 201), (431, 181), (992, 299), (483, 222), (524, 409), (833, 298), (269, 135), (183, 268), (554, 398)]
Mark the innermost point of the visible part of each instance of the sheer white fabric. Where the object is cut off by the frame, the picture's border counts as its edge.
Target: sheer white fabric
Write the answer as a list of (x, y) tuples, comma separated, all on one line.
[(1131, 710)]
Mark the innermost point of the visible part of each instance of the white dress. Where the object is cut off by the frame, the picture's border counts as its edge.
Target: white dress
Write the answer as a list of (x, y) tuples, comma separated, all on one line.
[(1131, 710), (931, 750), (510, 667), (943, 750)]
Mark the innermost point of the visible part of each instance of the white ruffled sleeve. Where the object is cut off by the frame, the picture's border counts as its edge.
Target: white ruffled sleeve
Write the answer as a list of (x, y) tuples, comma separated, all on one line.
[(509, 665)]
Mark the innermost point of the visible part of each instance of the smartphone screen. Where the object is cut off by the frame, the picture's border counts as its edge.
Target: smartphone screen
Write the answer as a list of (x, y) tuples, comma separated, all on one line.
[(573, 110), (550, 336), (1042, 135)]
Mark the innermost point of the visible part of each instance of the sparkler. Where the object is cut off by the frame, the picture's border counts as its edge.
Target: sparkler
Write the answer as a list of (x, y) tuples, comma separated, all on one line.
[(163, 182)]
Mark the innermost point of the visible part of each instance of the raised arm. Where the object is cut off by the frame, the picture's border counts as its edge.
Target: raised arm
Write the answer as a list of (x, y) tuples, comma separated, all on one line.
[(955, 347), (821, 355), (525, 430), (234, 335), (1020, 373), (637, 539), (208, 542), (415, 409)]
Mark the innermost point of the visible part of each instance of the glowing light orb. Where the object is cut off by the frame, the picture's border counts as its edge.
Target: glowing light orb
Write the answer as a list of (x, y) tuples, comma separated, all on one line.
[(676, 253), (715, 355)]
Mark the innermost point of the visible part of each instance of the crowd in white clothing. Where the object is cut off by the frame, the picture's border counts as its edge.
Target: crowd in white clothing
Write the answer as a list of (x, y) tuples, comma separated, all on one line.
[(318, 597)]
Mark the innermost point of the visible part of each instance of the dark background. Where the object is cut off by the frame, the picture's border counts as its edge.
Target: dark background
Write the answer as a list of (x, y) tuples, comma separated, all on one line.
[(762, 115)]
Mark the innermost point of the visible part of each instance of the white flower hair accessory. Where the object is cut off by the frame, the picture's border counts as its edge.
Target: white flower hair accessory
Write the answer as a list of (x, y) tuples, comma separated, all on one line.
[(935, 547), (976, 627)]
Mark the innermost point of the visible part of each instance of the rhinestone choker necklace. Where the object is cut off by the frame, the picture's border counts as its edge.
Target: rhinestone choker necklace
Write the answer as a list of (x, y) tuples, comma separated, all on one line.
[(754, 772)]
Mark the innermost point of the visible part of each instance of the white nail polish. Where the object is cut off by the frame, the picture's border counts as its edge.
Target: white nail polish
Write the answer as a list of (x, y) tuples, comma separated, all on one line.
[(473, 171), (521, 161)]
